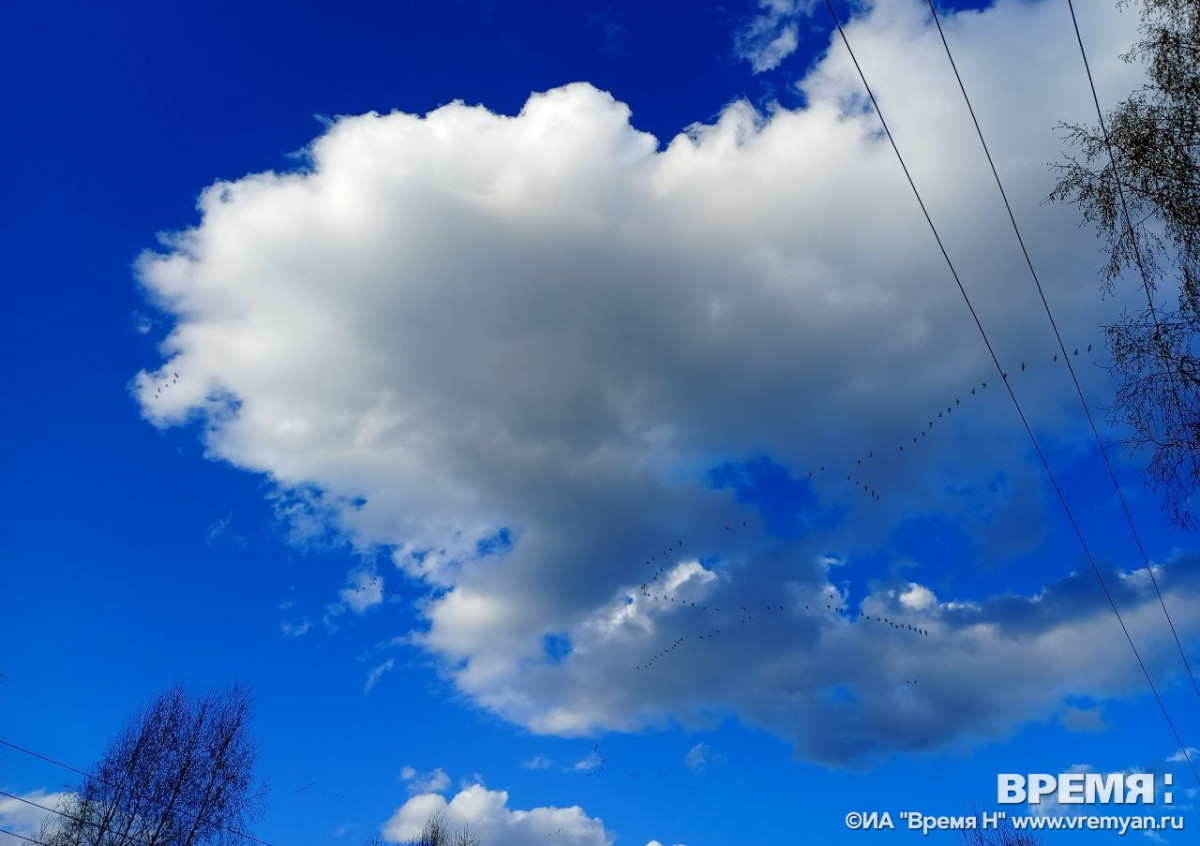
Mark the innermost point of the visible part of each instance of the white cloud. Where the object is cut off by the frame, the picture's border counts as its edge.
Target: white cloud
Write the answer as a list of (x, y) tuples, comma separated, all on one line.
[(918, 598), (437, 781), (592, 761), (772, 35), (702, 756), (377, 673), (295, 628), (363, 591), (24, 819), (1178, 757), (220, 529), (487, 814), (537, 762), (460, 323)]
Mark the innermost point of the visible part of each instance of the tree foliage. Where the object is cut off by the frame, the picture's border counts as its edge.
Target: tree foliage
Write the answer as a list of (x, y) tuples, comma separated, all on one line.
[(1147, 208), (181, 773)]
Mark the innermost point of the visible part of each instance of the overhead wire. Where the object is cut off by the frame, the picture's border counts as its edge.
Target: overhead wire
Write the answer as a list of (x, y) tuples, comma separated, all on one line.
[(1012, 395), (1063, 347), (128, 791), (23, 837), (70, 816)]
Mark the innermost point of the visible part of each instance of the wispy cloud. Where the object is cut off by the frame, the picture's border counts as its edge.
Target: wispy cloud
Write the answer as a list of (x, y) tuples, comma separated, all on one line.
[(220, 529), (773, 34), (435, 781), (295, 628), (1179, 757), (377, 673), (702, 756)]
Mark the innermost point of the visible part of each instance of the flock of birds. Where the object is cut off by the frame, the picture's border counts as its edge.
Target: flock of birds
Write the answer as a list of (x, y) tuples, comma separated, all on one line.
[(923, 432), (656, 590), (601, 762), (373, 582), (165, 384)]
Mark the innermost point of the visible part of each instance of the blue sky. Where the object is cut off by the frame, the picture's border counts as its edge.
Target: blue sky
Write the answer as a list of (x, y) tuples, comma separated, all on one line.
[(485, 315)]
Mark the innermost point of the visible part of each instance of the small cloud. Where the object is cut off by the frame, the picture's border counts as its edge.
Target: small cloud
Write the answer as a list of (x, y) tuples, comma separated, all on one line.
[(772, 35), (363, 590), (701, 756), (142, 324), (377, 673), (591, 762), (918, 597), (332, 611), (611, 32), (220, 529), (1179, 757), (295, 629), (537, 762), (437, 781)]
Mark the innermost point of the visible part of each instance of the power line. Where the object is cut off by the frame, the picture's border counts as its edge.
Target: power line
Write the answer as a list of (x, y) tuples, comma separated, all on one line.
[(1012, 395), (1063, 347), (71, 817), (110, 785), (23, 837)]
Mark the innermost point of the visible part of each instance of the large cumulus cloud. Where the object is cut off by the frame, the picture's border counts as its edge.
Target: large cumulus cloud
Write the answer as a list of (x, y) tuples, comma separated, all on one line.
[(527, 354)]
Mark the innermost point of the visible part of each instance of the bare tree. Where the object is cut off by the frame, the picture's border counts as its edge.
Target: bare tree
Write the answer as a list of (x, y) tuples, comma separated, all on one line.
[(436, 832), (1001, 834), (181, 773), (1139, 184)]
